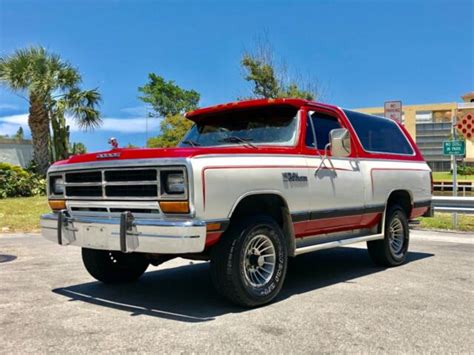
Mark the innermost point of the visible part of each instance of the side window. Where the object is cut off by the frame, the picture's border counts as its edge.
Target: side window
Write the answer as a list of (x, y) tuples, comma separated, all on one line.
[(379, 134), (323, 124)]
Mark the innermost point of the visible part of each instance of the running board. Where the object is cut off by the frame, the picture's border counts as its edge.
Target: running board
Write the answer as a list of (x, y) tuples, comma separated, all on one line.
[(337, 243)]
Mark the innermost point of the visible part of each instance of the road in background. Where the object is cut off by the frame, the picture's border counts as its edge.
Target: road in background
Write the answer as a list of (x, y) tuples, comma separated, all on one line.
[(333, 300)]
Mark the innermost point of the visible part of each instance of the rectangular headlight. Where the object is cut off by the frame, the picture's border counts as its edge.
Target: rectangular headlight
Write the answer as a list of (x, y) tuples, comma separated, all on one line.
[(173, 182), (57, 185)]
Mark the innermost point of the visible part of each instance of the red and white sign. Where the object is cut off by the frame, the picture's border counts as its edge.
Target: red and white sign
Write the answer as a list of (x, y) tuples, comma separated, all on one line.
[(393, 110), (466, 126)]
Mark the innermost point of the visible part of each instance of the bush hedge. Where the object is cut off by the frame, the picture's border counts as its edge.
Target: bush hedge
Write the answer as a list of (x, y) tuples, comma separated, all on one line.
[(18, 182), (465, 170)]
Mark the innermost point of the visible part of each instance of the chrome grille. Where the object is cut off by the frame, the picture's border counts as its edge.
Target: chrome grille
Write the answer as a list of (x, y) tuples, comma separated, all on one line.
[(117, 184)]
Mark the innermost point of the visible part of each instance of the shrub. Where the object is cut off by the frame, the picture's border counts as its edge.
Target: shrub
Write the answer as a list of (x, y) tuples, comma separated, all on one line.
[(18, 182), (465, 170)]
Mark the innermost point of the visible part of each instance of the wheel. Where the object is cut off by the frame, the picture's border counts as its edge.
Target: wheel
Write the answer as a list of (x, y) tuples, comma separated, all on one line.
[(248, 265), (114, 266), (393, 249)]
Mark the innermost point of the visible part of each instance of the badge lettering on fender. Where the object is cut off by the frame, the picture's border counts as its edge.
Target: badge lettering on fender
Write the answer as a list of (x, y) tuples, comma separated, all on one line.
[(293, 177)]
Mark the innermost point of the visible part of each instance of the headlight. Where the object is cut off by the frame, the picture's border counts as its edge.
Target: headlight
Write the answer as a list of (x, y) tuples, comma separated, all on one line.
[(174, 182), (57, 185)]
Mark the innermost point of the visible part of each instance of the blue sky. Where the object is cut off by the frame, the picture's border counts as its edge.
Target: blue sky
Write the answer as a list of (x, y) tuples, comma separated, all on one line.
[(361, 52)]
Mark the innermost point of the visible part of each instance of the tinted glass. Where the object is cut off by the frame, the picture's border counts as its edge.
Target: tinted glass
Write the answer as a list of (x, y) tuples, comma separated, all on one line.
[(269, 125), (323, 124), (379, 134)]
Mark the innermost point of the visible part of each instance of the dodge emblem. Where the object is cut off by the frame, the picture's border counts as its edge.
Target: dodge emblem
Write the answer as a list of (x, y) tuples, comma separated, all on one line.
[(107, 155)]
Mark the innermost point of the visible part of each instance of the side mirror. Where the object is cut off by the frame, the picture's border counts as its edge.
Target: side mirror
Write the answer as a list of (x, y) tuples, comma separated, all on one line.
[(340, 142)]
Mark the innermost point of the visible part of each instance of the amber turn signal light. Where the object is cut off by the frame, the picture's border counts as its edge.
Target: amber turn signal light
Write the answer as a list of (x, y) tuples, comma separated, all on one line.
[(57, 205), (213, 227), (174, 206)]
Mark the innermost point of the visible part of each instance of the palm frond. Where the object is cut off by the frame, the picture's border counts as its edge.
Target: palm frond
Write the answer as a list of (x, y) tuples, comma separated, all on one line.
[(82, 105)]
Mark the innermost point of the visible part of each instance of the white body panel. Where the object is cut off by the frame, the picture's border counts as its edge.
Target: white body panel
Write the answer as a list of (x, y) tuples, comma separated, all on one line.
[(220, 182)]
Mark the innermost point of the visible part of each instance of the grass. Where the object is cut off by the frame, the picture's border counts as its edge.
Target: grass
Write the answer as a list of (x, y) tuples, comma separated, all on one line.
[(443, 221), (444, 175), (22, 214)]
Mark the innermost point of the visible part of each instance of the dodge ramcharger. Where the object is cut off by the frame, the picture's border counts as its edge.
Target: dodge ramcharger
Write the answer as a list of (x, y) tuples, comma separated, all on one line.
[(252, 184)]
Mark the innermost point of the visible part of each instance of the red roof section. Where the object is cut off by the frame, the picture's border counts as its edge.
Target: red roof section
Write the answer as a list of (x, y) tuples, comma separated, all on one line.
[(247, 104)]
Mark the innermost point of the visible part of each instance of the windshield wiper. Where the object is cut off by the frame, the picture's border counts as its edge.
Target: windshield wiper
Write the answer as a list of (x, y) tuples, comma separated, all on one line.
[(191, 142), (235, 139)]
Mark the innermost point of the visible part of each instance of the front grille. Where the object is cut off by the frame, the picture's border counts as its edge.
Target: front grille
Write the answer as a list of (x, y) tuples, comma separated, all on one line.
[(131, 190), (88, 176), (84, 191), (131, 175), (114, 183)]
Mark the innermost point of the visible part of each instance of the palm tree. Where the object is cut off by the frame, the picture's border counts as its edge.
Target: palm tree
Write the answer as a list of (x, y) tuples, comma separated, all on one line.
[(51, 87)]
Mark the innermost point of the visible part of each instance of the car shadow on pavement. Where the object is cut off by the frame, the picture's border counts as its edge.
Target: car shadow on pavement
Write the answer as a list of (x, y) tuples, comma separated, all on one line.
[(186, 294)]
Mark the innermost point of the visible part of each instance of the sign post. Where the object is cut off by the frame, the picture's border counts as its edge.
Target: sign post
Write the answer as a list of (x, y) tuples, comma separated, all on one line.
[(454, 148), (455, 172), (393, 110)]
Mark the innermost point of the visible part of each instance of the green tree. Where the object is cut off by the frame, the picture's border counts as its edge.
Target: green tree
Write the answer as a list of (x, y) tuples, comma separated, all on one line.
[(166, 98), (170, 102), (45, 80), (75, 103), (270, 80), (172, 128), (19, 135), (78, 148)]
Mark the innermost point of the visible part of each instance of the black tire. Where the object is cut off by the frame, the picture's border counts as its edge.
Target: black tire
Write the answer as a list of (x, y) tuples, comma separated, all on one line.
[(114, 266), (388, 252), (233, 270)]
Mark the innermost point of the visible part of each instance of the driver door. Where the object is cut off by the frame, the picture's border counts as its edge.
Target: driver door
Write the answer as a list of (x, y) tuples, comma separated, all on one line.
[(336, 184)]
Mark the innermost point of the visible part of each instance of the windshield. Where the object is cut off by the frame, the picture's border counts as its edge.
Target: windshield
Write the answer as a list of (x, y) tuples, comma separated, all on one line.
[(268, 125)]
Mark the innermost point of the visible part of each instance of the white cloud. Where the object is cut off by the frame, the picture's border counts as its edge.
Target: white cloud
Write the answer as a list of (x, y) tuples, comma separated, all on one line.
[(9, 124), (8, 129), (141, 111), (129, 125), (8, 107)]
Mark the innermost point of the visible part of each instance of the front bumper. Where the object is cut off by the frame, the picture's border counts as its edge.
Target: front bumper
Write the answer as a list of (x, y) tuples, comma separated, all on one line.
[(126, 234)]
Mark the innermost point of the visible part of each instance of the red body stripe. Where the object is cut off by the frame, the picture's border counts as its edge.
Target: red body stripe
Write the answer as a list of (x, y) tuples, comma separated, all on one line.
[(418, 212)]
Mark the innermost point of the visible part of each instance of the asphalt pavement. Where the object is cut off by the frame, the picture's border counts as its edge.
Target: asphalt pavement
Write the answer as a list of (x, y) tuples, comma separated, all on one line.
[(332, 301)]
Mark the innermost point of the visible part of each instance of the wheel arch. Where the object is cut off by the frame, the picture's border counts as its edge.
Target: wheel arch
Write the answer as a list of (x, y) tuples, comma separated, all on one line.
[(402, 197), (271, 203)]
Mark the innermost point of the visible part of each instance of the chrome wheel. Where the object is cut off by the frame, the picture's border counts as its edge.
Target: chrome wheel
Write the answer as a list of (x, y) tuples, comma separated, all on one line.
[(396, 236), (259, 260)]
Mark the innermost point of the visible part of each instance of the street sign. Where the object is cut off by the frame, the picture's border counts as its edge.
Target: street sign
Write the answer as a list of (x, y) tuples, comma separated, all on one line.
[(393, 110), (454, 148)]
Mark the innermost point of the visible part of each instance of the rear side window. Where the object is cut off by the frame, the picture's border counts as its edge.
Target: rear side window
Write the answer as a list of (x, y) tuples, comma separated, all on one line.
[(379, 134)]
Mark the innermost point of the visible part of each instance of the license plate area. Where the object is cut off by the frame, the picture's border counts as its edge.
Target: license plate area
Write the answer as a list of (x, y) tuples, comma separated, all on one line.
[(94, 236)]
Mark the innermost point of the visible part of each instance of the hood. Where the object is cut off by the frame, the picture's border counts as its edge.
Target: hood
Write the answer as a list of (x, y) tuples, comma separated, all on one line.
[(153, 153)]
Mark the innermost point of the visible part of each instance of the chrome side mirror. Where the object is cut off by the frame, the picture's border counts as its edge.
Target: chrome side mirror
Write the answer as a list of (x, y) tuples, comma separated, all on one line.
[(340, 142)]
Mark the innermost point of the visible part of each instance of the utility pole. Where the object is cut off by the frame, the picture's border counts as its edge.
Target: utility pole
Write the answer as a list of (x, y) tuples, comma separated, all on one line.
[(455, 168)]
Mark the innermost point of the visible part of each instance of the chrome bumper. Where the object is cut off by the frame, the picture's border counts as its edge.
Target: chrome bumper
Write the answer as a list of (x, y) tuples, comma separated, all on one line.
[(127, 234)]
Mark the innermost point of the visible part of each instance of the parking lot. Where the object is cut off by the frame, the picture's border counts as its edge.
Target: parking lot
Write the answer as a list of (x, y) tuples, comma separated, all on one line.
[(333, 300)]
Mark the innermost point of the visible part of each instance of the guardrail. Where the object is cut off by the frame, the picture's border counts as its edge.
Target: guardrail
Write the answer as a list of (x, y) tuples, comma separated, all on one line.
[(453, 204), (462, 188)]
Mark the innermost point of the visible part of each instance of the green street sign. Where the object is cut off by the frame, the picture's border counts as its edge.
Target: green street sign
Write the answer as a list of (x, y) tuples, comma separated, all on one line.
[(454, 148)]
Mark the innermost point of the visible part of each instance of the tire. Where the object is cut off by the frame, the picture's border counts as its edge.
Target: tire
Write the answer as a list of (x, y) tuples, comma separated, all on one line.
[(236, 266), (113, 266), (393, 249)]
